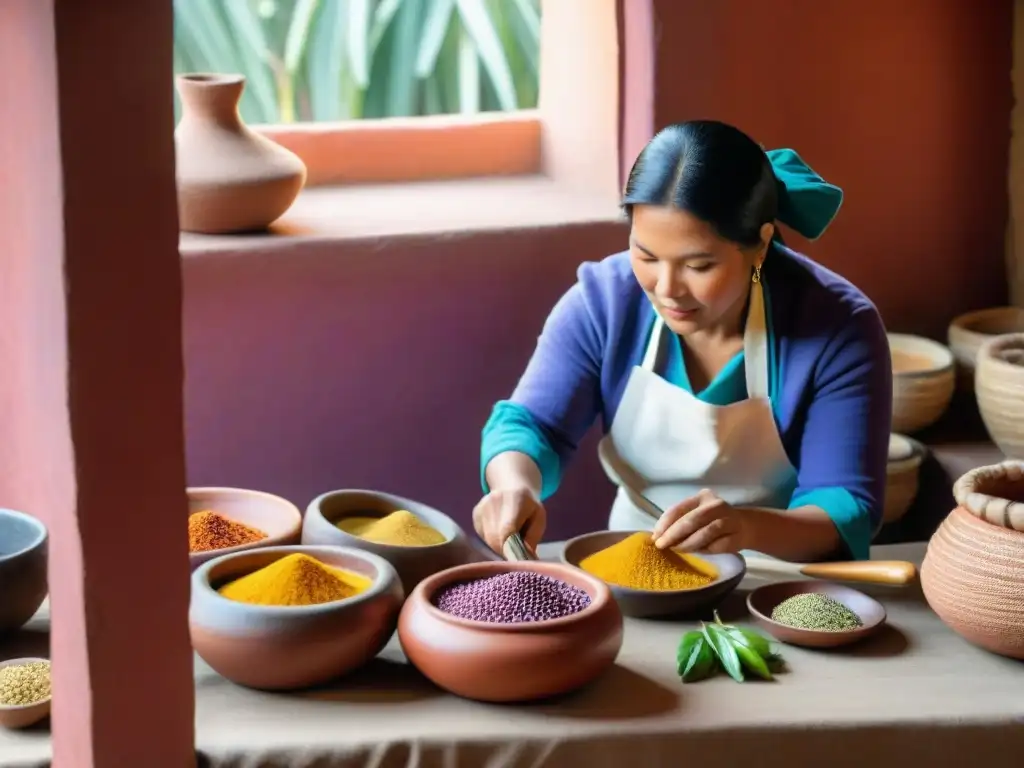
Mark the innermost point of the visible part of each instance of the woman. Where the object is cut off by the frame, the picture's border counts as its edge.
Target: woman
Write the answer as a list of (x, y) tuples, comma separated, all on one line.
[(749, 387)]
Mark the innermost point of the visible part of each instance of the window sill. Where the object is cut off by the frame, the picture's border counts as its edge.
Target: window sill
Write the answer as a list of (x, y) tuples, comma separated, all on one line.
[(338, 214)]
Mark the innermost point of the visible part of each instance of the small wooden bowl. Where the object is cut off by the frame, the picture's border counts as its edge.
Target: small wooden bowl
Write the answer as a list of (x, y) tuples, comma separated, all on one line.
[(25, 715), (24, 546), (763, 600), (510, 662), (643, 603), (923, 381), (412, 563), (277, 517), (287, 647)]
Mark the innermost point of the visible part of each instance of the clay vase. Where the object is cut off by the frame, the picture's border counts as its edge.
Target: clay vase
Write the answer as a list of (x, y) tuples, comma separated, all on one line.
[(230, 178), (973, 571), (999, 388), (969, 331)]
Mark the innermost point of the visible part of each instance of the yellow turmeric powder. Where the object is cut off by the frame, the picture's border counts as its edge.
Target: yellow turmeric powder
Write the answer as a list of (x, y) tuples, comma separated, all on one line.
[(400, 529), (636, 563), (295, 579)]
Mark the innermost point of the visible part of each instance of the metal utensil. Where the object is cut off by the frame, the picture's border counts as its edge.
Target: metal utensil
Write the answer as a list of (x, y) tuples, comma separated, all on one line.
[(629, 485), (515, 548)]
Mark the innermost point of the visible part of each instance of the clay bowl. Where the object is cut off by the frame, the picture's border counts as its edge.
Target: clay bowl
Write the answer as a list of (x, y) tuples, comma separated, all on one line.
[(277, 517), (288, 647), (902, 476), (999, 388), (923, 381), (26, 715), (510, 662), (24, 545), (763, 600), (968, 332), (412, 563), (641, 603)]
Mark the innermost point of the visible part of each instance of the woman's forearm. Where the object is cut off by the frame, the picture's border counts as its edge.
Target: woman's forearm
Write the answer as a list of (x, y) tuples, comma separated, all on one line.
[(798, 535), (511, 471)]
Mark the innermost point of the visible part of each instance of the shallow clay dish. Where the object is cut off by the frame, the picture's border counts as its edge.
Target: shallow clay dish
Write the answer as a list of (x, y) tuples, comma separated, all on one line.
[(286, 647), (641, 603), (763, 600), (923, 381), (23, 553), (412, 563), (510, 662), (25, 715), (277, 517)]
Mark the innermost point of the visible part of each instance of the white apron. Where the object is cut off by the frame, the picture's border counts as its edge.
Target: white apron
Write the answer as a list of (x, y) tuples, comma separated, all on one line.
[(676, 445)]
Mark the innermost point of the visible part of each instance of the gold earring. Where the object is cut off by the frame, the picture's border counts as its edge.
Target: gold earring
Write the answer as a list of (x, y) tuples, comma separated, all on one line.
[(757, 274)]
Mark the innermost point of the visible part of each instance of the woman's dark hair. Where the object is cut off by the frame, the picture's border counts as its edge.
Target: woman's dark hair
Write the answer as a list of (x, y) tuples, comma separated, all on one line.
[(711, 170)]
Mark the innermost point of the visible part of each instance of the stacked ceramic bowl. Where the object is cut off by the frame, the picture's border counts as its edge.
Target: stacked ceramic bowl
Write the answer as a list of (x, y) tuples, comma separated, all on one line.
[(23, 557), (284, 646), (902, 476), (351, 518), (923, 381), (968, 332)]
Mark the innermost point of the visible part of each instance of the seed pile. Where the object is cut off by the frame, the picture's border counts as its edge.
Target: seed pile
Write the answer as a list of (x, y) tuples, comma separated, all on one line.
[(295, 579), (400, 529), (22, 684), (208, 531), (814, 610), (636, 563), (512, 598)]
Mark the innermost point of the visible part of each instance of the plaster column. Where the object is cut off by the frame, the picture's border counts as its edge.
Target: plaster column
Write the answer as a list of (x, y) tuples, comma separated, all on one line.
[(90, 355)]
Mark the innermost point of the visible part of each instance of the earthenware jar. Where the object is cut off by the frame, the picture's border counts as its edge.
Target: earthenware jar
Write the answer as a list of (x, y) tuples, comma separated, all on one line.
[(23, 556), (973, 572), (230, 178), (999, 387), (489, 661), (923, 381), (969, 331)]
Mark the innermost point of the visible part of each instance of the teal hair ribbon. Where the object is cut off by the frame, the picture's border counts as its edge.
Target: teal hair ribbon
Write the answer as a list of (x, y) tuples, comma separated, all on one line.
[(807, 203)]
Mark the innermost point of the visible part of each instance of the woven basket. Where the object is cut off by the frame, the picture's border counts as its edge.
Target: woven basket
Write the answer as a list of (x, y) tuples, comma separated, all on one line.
[(999, 386), (973, 571)]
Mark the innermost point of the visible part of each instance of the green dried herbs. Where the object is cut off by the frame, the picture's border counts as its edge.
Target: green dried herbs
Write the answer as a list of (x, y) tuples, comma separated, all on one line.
[(814, 610), (737, 651)]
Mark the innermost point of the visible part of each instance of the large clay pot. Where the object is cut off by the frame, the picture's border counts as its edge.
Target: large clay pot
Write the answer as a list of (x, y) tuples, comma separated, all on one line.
[(973, 571), (969, 331), (999, 387), (230, 178)]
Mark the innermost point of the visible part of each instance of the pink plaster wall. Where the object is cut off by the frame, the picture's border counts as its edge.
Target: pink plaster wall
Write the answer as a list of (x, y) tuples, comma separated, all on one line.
[(375, 364)]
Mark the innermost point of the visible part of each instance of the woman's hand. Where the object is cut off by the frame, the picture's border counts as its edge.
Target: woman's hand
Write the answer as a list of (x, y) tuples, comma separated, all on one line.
[(501, 513), (703, 523)]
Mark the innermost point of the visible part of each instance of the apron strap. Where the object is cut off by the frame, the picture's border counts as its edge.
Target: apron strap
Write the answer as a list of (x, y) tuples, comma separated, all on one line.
[(755, 345), (653, 344)]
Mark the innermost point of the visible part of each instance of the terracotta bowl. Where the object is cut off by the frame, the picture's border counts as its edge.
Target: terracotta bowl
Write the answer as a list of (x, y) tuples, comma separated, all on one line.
[(287, 647), (24, 544), (923, 381), (999, 388), (277, 517), (902, 476), (641, 603), (763, 600), (510, 662), (412, 563), (969, 331), (26, 715)]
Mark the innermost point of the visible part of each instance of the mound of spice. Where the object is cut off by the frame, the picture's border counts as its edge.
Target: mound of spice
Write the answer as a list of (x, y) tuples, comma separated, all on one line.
[(208, 531), (23, 684), (636, 563), (400, 529), (814, 610), (512, 598), (295, 579)]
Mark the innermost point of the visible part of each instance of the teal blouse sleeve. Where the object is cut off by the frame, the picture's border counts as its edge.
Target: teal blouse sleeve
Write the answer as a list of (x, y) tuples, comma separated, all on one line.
[(851, 517), (512, 427)]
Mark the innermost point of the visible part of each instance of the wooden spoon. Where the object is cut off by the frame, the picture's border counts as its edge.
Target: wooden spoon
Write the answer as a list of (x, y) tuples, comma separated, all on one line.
[(893, 573)]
